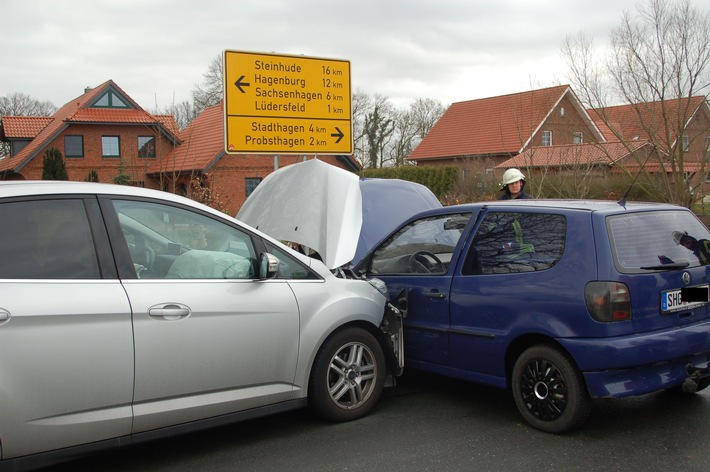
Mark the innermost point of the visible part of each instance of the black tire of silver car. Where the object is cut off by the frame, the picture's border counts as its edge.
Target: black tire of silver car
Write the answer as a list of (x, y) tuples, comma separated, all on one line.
[(347, 376), (549, 390)]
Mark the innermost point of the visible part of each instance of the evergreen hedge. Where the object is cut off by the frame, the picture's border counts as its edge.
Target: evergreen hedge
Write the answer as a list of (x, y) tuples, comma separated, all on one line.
[(440, 180)]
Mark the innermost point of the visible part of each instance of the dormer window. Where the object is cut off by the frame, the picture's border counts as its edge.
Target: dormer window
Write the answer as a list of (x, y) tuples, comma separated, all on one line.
[(110, 100)]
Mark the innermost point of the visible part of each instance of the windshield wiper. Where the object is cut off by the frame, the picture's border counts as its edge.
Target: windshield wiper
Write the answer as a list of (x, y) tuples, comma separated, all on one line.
[(671, 266)]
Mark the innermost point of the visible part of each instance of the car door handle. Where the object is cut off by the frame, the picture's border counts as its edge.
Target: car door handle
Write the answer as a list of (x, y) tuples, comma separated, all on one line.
[(169, 312), (438, 295)]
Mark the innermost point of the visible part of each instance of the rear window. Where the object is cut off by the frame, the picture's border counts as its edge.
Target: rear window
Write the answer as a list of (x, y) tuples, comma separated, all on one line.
[(46, 239), (654, 239)]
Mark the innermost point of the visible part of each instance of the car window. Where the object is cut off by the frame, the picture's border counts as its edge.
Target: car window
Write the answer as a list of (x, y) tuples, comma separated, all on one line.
[(167, 242), (290, 268), (47, 239), (509, 242), (650, 239), (424, 246)]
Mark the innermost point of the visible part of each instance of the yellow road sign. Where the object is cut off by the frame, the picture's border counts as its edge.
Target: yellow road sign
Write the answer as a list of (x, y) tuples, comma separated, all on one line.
[(286, 104)]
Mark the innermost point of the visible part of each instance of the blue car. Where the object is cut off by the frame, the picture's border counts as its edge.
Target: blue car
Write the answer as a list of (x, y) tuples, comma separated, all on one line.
[(561, 302)]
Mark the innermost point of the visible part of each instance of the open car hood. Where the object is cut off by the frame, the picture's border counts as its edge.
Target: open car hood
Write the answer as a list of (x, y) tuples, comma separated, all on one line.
[(331, 210)]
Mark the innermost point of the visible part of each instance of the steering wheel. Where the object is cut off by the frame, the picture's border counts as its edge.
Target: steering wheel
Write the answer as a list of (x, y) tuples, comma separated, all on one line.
[(426, 262), (145, 256)]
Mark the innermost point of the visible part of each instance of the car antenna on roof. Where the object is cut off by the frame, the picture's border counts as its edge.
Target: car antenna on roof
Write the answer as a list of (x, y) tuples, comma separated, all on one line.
[(622, 200)]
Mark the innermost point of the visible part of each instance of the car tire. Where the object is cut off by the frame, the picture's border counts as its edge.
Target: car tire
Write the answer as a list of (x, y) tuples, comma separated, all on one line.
[(549, 390), (348, 375)]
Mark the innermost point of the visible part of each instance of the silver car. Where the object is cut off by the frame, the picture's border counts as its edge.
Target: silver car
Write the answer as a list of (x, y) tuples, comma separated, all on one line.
[(128, 314)]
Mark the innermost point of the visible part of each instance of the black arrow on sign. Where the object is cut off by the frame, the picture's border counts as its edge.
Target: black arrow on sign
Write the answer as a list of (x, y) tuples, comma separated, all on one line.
[(241, 84), (338, 135)]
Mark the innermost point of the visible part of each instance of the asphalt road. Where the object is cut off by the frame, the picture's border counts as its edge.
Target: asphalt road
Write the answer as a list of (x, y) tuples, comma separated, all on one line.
[(428, 423)]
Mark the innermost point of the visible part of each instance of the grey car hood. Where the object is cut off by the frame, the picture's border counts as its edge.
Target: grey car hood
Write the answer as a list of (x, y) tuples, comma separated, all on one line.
[(332, 211)]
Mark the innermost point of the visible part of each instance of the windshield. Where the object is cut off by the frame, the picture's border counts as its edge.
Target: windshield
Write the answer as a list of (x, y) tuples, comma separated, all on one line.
[(653, 240), (424, 246)]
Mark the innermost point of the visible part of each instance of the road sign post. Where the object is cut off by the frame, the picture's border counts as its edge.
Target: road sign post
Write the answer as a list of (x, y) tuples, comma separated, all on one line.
[(281, 104)]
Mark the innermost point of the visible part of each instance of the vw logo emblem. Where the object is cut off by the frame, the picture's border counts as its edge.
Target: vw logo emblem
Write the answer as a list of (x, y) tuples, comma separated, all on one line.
[(686, 278)]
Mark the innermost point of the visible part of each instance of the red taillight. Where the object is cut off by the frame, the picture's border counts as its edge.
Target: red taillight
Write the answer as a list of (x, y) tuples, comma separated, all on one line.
[(608, 301)]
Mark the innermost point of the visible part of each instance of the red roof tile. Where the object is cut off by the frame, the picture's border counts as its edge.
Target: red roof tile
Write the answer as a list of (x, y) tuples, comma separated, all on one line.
[(169, 122), (634, 121), (495, 125), (24, 126), (112, 115), (572, 155), (203, 144)]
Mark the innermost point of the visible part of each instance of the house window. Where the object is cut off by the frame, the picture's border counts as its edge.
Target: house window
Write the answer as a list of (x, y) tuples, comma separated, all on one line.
[(547, 138), (17, 145), (685, 143), (73, 146), (110, 100), (562, 111), (146, 146), (578, 137), (250, 184), (110, 146), (707, 143)]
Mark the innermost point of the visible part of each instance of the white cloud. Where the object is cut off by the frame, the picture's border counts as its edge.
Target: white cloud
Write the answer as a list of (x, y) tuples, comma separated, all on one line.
[(157, 50)]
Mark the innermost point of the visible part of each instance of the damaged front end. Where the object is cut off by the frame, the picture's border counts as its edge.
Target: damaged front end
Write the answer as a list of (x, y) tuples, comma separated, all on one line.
[(392, 325), (393, 330)]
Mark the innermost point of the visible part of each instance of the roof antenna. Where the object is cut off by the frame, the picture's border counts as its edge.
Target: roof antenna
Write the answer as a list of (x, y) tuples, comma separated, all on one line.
[(622, 200)]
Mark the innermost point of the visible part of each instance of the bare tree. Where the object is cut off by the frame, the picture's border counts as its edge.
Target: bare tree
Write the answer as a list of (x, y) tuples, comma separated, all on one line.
[(659, 59), (183, 112), (360, 105), (378, 128), (19, 104), (406, 131), (426, 112), (211, 91)]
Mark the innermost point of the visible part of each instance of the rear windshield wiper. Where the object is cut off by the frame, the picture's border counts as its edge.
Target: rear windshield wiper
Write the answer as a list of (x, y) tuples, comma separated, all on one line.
[(671, 266)]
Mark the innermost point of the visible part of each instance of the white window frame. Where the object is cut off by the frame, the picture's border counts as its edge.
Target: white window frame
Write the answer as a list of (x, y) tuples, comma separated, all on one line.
[(110, 146), (547, 138)]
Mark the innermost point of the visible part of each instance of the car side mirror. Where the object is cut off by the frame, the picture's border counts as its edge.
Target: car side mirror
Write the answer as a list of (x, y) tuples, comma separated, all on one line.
[(268, 266)]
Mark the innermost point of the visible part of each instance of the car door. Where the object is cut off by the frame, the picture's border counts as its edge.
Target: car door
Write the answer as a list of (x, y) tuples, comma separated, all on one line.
[(210, 338), (504, 284), (66, 344), (419, 258)]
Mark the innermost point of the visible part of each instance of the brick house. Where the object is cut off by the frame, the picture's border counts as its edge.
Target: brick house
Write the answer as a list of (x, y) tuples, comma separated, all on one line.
[(658, 123), (549, 130), (636, 135), (104, 130), (478, 135)]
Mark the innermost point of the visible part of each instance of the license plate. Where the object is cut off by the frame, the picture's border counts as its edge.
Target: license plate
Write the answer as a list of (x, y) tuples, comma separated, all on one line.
[(683, 298)]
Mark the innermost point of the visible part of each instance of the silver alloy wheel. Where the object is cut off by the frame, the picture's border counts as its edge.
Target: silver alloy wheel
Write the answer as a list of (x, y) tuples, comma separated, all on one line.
[(351, 375)]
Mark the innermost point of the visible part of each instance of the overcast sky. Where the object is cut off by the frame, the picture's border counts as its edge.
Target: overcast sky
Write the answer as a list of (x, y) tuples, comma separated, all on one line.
[(157, 50)]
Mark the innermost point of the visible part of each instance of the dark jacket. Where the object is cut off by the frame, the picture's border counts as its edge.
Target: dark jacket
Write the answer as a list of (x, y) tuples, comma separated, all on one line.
[(507, 196)]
